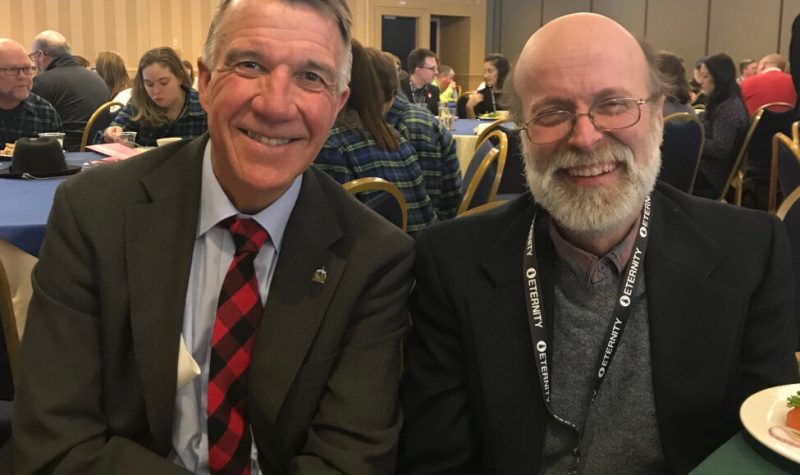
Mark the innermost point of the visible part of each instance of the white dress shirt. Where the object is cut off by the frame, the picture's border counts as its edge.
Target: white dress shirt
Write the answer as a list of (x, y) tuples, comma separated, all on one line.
[(212, 255)]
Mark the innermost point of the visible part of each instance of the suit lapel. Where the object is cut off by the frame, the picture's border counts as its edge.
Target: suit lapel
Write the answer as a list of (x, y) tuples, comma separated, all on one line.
[(297, 301), (687, 312), (159, 243), (504, 351)]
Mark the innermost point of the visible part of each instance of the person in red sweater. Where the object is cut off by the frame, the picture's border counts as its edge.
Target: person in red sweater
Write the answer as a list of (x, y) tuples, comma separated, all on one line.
[(771, 84)]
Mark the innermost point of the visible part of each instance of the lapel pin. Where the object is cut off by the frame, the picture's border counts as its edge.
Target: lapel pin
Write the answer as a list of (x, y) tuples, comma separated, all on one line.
[(320, 276)]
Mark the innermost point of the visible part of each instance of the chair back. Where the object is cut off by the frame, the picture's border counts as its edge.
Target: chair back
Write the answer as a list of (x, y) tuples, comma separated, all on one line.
[(383, 197), (482, 178), (482, 208), (99, 120), (8, 357), (766, 121), (784, 168), (681, 150)]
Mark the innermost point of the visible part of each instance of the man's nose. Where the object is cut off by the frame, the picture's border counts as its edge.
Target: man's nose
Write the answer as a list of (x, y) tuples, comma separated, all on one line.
[(584, 134), (275, 95)]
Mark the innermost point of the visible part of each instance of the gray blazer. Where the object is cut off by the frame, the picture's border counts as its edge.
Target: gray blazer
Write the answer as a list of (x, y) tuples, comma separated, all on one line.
[(99, 357)]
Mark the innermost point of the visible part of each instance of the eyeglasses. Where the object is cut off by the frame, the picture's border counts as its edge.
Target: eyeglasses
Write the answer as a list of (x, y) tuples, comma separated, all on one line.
[(33, 55), (432, 68), (609, 114), (15, 70)]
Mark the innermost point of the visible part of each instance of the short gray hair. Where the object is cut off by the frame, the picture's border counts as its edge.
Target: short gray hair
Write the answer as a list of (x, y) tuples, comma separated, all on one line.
[(52, 44), (335, 10)]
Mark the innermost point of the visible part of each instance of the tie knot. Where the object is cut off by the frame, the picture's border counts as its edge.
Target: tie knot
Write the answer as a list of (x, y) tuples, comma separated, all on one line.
[(248, 235)]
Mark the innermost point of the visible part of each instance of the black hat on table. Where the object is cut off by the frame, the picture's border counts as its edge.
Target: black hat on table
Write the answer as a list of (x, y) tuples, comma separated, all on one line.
[(40, 157)]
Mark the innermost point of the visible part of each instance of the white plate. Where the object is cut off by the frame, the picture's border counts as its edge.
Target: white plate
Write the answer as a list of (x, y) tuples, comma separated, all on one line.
[(765, 409)]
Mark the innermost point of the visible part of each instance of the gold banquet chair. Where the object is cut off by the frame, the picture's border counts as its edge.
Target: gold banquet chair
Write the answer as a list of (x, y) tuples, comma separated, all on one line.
[(385, 198), (485, 170), (99, 120), (765, 122), (681, 150), (484, 207), (784, 167)]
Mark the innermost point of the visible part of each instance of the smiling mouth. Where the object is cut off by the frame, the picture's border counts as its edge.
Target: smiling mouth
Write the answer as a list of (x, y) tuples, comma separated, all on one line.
[(267, 140), (589, 171)]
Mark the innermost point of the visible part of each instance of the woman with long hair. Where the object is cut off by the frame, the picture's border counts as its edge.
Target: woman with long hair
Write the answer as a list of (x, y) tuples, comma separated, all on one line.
[(111, 67), (163, 103), (361, 143), (725, 123), (487, 100)]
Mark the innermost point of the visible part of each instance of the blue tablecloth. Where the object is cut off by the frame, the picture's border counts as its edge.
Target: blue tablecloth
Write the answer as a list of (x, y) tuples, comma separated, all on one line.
[(25, 205), (466, 126)]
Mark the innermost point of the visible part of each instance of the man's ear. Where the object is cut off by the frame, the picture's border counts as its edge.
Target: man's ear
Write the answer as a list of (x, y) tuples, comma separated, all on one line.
[(203, 78)]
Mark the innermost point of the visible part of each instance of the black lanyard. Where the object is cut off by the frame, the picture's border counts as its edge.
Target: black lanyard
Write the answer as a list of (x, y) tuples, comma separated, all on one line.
[(620, 315)]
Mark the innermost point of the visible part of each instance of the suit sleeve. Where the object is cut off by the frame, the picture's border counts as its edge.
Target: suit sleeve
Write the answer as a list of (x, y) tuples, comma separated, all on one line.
[(770, 331), (59, 423), (358, 420), (438, 434)]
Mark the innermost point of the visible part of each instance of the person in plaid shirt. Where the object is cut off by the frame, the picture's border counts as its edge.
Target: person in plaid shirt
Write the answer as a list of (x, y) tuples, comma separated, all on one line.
[(361, 144), (22, 113), (436, 149), (163, 103)]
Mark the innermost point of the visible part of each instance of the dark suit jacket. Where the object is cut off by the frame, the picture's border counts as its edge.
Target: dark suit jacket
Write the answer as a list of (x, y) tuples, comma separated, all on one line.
[(100, 352), (431, 96), (75, 92), (720, 311)]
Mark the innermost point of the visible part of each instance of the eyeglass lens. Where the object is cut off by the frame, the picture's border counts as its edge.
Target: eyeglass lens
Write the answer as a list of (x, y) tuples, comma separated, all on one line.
[(611, 114)]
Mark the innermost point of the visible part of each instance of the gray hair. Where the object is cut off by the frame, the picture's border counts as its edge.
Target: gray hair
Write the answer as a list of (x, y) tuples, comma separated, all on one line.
[(335, 10), (52, 44)]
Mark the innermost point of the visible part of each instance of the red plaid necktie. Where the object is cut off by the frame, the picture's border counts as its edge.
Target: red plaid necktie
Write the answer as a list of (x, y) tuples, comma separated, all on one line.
[(238, 315)]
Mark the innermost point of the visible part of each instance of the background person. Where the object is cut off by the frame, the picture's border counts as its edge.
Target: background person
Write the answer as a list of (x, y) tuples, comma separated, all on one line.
[(423, 65), (434, 144), (488, 99), (361, 144), (163, 103), (22, 113), (111, 67), (671, 67), (725, 124), (446, 83), (73, 90)]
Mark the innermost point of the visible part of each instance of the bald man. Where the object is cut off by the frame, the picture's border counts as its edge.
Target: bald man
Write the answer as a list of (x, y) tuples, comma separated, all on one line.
[(74, 91), (608, 325), (22, 113), (771, 84)]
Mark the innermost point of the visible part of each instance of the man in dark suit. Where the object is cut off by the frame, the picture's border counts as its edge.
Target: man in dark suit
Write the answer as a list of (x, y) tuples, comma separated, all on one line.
[(423, 66), (74, 91), (598, 324), (130, 337)]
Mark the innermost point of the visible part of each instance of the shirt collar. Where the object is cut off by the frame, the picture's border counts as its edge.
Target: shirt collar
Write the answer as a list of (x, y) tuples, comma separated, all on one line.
[(216, 206), (585, 264)]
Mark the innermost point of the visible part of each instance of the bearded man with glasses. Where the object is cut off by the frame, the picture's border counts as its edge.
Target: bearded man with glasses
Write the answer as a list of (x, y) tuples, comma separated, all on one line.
[(601, 323), (22, 113)]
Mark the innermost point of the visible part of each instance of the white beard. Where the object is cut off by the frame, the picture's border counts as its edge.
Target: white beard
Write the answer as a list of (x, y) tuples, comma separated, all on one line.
[(595, 209)]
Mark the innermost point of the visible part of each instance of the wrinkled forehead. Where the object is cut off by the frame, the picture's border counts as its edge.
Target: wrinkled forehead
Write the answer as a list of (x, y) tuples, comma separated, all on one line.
[(579, 59)]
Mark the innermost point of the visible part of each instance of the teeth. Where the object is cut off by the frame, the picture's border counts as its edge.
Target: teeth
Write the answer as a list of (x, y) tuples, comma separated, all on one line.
[(267, 140), (592, 170)]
